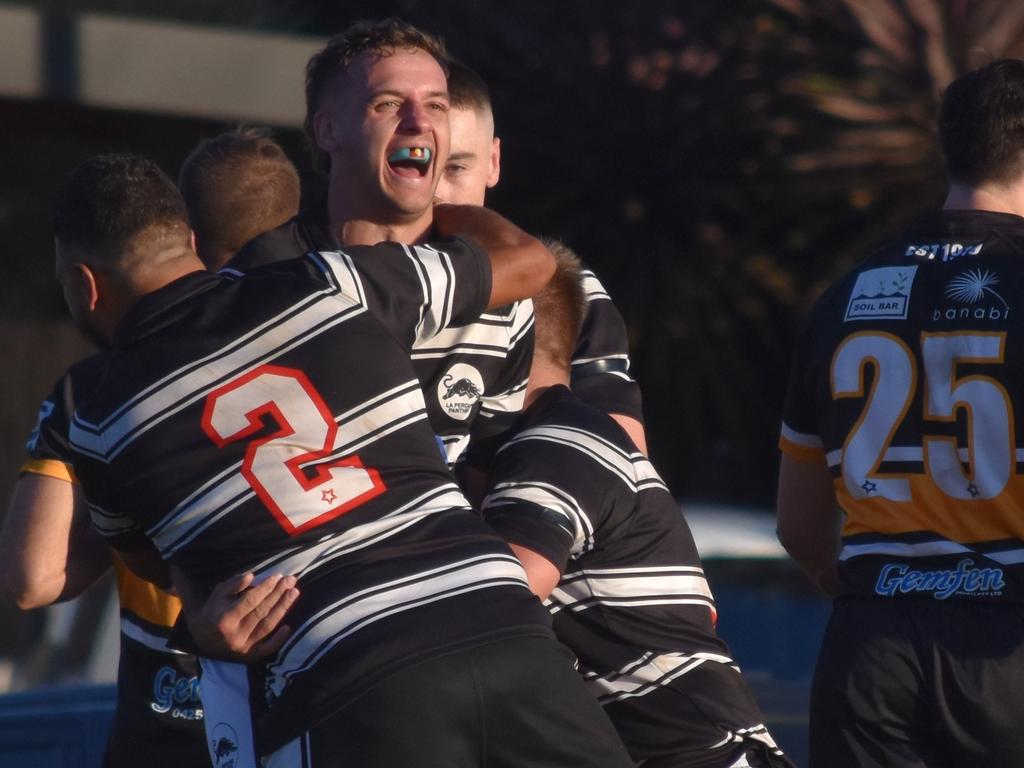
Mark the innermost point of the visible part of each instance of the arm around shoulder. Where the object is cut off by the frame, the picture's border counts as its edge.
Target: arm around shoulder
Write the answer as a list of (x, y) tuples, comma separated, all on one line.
[(520, 264)]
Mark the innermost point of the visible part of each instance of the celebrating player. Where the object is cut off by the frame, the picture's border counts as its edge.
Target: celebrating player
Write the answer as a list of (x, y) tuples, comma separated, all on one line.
[(224, 430), (600, 361), (902, 425), (604, 545), (377, 119)]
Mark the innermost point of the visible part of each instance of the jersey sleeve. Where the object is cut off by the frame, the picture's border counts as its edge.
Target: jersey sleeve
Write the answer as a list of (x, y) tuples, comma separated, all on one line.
[(50, 454), (502, 403), (416, 291), (799, 436), (600, 362), (539, 491)]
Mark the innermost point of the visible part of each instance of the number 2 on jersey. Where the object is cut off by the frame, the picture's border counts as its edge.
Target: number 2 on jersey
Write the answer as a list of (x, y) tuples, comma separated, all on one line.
[(990, 452), (299, 498)]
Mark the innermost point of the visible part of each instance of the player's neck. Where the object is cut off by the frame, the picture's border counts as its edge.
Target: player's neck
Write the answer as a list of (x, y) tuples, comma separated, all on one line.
[(361, 231), (998, 198), (543, 376)]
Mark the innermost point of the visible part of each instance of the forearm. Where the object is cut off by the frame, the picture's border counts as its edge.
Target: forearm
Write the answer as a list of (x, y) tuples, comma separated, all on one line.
[(520, 264)]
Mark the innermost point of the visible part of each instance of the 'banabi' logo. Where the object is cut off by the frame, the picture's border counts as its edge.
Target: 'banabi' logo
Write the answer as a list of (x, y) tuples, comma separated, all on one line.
[(975, 296), (224, 746), (459, 390), (882, 293)]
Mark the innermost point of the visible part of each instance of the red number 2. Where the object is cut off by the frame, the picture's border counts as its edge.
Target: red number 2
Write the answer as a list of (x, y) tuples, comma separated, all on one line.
[(273, 465)]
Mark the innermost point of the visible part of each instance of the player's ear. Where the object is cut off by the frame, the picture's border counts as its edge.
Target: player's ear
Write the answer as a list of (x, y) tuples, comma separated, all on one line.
[(323, 132), (86, 285), (494, 165)]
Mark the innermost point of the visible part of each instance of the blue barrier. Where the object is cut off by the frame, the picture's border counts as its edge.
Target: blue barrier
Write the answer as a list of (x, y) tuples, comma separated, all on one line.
[(55, 727)]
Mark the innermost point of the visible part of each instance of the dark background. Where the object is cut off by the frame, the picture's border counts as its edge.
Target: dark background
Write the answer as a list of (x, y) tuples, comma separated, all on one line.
[(715, 163)]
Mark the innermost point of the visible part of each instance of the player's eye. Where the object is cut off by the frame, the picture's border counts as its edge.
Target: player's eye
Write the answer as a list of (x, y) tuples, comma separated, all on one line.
[(454, 168)]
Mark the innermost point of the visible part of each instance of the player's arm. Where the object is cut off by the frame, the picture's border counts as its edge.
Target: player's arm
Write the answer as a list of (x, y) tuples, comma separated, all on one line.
[(520, 264), (48, 550), (809, 520), (542, 574), (634, 429)]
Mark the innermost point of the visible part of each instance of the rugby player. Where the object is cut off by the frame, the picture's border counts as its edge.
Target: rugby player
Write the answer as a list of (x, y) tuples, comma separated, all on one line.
[(605, 547), (600, 361), (377, 121), (902, 428), (235, 185), (223, 432)]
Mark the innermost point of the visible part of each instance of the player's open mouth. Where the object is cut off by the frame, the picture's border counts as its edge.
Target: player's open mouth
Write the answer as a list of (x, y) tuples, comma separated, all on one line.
[(410, 161)]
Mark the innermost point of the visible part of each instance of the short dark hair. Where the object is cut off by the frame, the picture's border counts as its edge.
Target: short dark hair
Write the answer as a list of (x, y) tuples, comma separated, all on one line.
[(981, 124), (236, 186), (109, 200), (379, 38), (466, 89), (559, 308)]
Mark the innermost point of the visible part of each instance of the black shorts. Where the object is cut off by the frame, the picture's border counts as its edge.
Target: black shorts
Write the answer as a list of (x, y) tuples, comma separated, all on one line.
[(919, 683), (508, 704), (706, 718), (159, 717)]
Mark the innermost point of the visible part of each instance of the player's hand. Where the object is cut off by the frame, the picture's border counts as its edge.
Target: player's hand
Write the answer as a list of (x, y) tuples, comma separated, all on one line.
[(240, 621)]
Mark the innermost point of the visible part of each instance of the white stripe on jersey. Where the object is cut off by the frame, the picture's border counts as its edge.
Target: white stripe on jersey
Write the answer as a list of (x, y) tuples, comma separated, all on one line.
[(144, 637), (634, 469), (574, 520), (192, 382), (437, 278), (655, 585), (592, 286), (332, 624), (509, 401), (585, 360), (1007, 556), (800, 438), (381, 415), (300, 561), (905, 453), (492, 335), (904, 549), (107, 524), (646, 674)]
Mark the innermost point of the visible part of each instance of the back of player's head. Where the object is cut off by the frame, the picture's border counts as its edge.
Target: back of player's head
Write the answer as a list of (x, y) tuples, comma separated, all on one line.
[(237, 185), (112, 204), (559, 308), (363, 38), (466, 89), (981, 124)]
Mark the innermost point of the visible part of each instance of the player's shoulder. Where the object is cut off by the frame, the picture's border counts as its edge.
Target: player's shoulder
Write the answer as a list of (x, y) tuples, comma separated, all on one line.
[(559, 408), (299, 235)]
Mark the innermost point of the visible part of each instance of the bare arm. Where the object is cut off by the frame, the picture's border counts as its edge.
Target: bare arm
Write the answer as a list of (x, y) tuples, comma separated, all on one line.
[(542, 574), (520, 264), (809, 520), (634, 429), (48, 549)]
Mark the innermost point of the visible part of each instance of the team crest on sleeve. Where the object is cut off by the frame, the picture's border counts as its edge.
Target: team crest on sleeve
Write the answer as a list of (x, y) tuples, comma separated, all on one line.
[(881, 293), (33, 439), (459, 390)]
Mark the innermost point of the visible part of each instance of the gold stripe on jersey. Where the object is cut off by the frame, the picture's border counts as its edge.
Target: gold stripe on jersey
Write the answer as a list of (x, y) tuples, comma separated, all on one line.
[(806, 453), (144, 599), (49, 468), (932, 510)]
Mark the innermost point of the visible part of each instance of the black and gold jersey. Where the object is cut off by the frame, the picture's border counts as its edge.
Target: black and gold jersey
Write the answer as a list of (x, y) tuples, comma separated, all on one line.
[(907, 383), (272, 422)]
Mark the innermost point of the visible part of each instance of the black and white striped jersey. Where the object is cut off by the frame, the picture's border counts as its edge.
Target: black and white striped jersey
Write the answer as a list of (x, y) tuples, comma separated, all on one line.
[(600, 362), (633, 603), (272, 422), (473, 374)]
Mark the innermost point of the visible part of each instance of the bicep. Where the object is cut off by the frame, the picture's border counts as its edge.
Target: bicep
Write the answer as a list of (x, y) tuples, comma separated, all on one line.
[(542, 574), (809, 518)]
